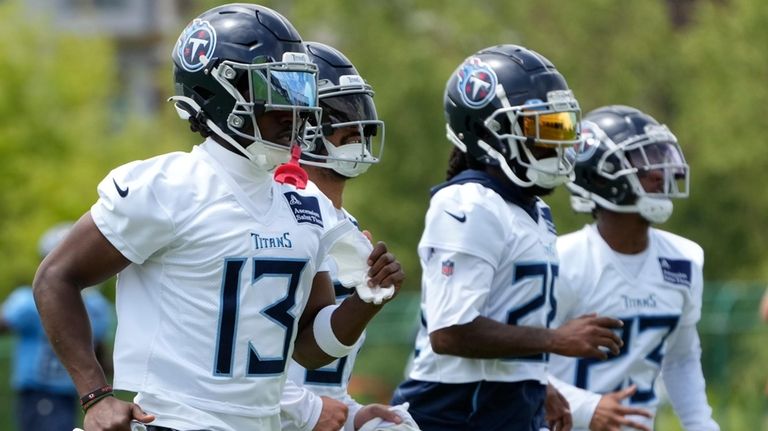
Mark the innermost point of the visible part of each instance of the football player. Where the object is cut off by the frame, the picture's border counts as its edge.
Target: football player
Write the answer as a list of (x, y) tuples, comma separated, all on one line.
[(488, 252), (220, 267), (627, 171), (348, 140)]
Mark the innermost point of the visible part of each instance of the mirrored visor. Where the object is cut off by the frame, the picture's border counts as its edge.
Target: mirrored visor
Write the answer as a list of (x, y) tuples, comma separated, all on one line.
[(557, 126), (290, 88), (348, 108)]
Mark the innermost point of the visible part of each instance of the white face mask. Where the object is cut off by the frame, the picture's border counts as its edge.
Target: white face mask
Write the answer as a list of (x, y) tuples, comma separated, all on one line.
[(267, 158), (655, 210), (348, 159), (542, 173)]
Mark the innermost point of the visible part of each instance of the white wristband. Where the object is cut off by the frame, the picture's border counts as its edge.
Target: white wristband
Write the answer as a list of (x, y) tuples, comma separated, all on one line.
[(325, 337)]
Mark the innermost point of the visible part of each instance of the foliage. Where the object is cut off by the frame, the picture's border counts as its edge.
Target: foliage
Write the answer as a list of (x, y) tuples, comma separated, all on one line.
[(58, 134)]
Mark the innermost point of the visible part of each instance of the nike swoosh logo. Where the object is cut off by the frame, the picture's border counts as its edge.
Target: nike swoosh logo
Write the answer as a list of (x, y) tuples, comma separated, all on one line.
[(461, 219), (122, 192)]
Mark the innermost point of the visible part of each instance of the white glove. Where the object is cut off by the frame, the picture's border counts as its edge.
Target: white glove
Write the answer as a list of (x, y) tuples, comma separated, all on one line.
[(351, 253), (379, 424)]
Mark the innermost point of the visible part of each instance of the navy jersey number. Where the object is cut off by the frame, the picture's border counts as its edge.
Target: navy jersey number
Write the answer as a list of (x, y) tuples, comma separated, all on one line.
[(278, 312), (666, 324), (542, 271), (329, 376)]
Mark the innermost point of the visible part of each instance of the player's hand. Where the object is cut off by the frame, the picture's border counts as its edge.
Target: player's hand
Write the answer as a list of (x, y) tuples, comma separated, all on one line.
[(111, 414), (371, 411), (333, 416), (385, 269), (611, 415), (558, 412), (584, 337)]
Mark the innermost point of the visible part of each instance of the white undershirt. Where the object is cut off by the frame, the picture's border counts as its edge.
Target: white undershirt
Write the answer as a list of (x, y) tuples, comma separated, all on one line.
[(632, 263)]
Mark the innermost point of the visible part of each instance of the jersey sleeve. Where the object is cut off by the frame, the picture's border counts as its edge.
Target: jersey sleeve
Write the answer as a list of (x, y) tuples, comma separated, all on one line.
[(466, 227), (684, 381), (456, 288), (129, 212), (582, 403), (692, 310), (299, 408)]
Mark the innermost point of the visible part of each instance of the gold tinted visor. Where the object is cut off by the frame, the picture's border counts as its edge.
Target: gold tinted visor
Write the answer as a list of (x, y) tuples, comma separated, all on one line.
[(558, 126)]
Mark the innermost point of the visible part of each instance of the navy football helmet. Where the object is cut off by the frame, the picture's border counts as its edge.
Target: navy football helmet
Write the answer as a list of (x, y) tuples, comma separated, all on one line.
[(347, 102), (236, 62), (620, 145), (508, 106)]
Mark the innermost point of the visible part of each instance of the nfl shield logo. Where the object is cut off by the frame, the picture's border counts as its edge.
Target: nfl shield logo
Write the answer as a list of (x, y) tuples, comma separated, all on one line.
[(447, 268)]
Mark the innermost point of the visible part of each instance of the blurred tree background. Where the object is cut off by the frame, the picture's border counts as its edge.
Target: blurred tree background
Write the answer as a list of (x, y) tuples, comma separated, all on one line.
[(700, 66)]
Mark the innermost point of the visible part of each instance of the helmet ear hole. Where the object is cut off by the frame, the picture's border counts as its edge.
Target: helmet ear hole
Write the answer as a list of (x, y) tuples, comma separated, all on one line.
[(203, 93)]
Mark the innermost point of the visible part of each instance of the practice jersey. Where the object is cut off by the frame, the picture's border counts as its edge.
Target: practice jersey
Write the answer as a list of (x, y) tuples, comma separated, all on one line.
[(663, 296), (223, 262), (483, 253), (331, 380), (35, 364)]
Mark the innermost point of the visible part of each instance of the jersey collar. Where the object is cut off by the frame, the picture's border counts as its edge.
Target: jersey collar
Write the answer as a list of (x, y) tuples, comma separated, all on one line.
[(509, 193)]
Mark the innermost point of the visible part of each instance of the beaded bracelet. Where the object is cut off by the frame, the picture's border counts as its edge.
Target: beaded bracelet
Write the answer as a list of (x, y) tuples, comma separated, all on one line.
[(91, 398)]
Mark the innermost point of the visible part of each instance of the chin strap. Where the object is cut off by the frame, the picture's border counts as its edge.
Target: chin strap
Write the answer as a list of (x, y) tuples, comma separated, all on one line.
[(654, 210), (264, 158)]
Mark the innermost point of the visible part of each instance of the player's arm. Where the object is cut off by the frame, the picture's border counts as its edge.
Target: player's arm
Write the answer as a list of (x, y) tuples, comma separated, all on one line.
[(84, 258), (684, 380), (302, 409), (458, 285), (337, 328), (600, 412), (580, 337)]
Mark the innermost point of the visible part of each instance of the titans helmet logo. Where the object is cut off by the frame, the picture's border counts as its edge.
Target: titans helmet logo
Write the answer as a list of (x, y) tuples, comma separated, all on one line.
[(197, 40), (476, 83)]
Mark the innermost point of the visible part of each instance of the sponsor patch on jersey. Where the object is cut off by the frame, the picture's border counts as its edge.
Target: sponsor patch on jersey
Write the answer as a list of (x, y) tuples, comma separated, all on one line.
[(198, 39), (676, 271), (447, 268), (476, 83), (305, 209)]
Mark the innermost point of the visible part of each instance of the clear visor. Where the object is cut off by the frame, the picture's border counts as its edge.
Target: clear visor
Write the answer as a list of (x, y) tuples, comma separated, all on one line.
[(661, 169), (654, 164), (348, 118), (348, 108)]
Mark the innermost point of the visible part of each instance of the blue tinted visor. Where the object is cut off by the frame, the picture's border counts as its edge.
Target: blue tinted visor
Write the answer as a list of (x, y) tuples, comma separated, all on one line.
[(282, 87)]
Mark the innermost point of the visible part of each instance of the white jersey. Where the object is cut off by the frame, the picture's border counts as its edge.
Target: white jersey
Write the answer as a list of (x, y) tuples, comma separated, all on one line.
[(331, 380), (657, 301), (482, 255), (222, 266)]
